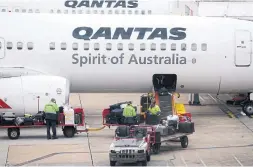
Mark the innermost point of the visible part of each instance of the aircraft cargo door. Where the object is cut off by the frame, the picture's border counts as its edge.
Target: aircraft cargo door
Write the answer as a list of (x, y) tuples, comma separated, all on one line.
[(2, 48), (242, 48)]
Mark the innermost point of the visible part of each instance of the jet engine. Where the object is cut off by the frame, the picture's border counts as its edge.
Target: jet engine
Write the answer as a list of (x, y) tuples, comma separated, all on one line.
[(29, 94)]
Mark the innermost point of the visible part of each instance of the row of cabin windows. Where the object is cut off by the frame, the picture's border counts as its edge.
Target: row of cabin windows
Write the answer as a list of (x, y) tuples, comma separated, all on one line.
[(20, 45), (96, 46), (82, 11)]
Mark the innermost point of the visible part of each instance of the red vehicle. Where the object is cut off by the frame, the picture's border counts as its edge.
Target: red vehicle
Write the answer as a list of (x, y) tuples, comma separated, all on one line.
[(69, 130)]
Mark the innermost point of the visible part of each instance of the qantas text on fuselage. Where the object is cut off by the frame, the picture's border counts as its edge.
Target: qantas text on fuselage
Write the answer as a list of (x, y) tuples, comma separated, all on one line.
[(88, 33), (102, 4)]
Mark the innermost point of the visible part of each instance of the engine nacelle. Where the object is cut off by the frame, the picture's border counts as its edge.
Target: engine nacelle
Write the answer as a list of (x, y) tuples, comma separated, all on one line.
[(29, 94)]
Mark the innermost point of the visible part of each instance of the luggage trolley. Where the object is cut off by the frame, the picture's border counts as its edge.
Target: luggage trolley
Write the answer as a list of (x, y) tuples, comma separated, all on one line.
[(69, 130)]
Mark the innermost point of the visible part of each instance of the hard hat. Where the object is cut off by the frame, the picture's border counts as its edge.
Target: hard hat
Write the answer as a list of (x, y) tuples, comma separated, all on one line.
[(53, 100)]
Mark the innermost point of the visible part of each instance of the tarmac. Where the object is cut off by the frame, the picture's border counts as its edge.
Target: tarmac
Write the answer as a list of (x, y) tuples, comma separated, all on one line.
[(219, 139)]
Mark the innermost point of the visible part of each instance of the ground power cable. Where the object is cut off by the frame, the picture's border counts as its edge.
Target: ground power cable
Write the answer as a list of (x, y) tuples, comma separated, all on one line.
[(91, 157), (237, 119)]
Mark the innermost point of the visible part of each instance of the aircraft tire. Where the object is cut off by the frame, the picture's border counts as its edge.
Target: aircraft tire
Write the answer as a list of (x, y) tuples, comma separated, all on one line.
[(248, 109)]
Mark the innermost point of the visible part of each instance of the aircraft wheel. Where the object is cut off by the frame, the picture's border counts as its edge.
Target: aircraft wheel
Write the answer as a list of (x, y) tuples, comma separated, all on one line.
[(248, 109)]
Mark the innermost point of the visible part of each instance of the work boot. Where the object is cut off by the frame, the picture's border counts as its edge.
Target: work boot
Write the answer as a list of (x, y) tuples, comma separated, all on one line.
[(49, 137), (55, 137)]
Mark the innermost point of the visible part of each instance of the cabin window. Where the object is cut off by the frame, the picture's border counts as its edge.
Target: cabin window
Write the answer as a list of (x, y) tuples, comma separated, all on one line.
[(19, 45), (142, 46), (203, 46), (73, 11), (131, 46), (129, 12), (0, 45), (16, 10), (80, 12), (149, 12), (173, 46), (194, 47), (96, 46), (163, 46), (86, 46), (51, 11), (87, 11), (66, 11), (30, 46), (123, 12), (153, 46), (120, 46), (52, 46), (23, 10), (110, 12), (102, 12), (75, 46), (30, 11), (95, 11), (9, 45), (3, 10), (37, 11), (116, 12), (108, 46), (143, 12), (183, 47), (63, 46), (58, 11), (136, 12)]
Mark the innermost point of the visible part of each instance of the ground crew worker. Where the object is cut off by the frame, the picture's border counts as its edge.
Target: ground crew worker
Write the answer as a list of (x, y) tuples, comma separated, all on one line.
[(154, 109), (130, 114), (51, 116)]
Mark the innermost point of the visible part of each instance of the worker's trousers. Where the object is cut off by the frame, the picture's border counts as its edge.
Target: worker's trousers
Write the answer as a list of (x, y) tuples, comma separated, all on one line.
[(51, 123)]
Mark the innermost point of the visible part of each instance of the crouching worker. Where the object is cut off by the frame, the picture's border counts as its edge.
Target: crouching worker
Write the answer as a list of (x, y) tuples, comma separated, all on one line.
[(129, 114), (51, 116)]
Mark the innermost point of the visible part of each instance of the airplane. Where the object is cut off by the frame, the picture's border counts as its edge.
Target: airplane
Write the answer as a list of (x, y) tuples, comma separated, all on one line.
[(49, 56), (93, 6)]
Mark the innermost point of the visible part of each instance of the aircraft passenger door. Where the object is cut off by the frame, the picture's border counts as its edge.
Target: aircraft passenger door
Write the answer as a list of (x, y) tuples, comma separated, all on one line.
[(2, 48), (243, 48)]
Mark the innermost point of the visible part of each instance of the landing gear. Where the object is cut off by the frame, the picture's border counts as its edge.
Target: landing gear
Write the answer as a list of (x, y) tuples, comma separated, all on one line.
[(247, 105)]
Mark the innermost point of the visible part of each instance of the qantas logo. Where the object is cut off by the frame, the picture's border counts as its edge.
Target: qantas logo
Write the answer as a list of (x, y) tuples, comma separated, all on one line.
[(3, 105)]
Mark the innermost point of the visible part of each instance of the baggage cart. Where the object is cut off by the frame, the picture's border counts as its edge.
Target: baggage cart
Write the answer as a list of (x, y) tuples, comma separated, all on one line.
[(69, 130)]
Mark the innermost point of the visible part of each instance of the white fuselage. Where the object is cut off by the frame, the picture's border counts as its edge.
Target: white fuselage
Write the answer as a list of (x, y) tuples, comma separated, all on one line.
[(212, 70), (137, 7)]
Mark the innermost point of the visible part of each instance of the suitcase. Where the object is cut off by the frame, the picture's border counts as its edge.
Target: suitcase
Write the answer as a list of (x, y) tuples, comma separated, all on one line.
[(8, 118), (117, 112), (186, 127), (171, 130), (19, 121), (28, 121), (162, 129)]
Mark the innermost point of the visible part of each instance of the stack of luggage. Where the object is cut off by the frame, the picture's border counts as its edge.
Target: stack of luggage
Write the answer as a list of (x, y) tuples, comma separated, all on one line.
[(10, 119), (116, 113)]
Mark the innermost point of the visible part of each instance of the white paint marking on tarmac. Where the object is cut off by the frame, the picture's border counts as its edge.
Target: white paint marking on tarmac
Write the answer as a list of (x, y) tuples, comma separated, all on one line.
[(182, 158), (212, 98), (200, 159), (201, 98), (243, 113), (237, 160)]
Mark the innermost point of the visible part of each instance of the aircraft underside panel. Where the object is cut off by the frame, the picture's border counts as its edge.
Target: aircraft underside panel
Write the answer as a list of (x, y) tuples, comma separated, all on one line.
[(242, 48)]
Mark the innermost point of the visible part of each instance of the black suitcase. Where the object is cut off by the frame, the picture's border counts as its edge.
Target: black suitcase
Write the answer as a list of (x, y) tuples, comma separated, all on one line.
[(186, 127), (28, 121)]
